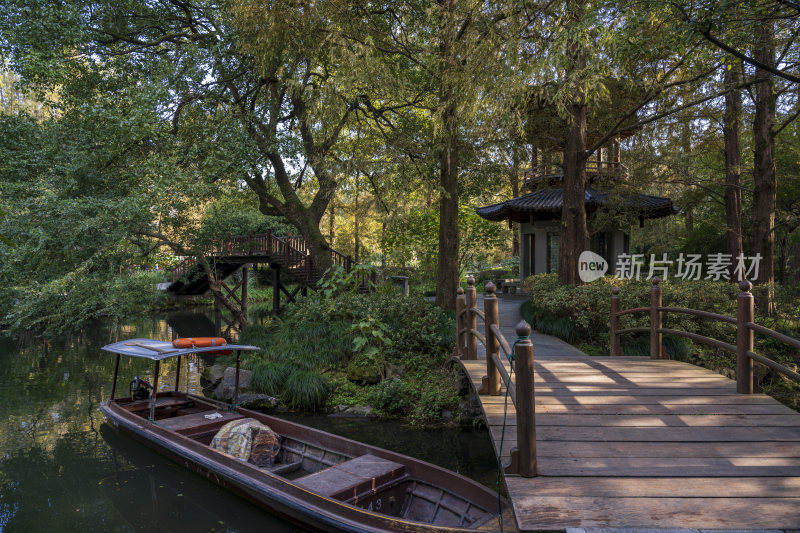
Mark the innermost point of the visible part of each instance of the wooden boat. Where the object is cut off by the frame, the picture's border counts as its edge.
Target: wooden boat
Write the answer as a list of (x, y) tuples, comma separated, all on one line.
[(319, 480)]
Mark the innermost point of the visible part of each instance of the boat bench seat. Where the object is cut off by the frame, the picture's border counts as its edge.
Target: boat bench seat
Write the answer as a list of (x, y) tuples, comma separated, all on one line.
[(352, 479), (196, 424)]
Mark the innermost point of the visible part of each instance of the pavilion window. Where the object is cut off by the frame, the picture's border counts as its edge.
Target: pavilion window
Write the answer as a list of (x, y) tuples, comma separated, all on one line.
[(599, 244)]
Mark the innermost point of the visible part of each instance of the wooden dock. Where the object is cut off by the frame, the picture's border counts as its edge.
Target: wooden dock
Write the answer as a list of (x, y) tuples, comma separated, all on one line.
[(628, 442)]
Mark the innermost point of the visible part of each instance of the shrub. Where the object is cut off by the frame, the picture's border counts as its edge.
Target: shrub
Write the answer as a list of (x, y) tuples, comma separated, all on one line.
[(335, 334), (389, 396), (553, 307)]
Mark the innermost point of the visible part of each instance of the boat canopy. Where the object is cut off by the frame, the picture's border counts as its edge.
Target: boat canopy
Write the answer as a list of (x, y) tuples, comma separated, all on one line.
[(159, 350)]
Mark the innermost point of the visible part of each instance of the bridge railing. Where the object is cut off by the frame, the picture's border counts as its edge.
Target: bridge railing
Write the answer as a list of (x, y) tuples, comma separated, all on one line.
[(521, 392), (289, 250), (745, 329)]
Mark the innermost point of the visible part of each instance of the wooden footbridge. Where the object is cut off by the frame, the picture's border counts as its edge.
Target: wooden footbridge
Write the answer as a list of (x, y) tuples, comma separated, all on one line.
[(631, 442), (287, 256)]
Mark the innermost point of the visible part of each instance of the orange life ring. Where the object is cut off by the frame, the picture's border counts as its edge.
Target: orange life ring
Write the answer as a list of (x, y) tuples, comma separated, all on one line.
[(199, 342)]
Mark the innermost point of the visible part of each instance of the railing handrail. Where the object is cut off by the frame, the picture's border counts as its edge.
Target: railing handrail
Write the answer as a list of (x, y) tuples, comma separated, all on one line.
[(556, 170), (744, 335), (523, 457), (290, 249)]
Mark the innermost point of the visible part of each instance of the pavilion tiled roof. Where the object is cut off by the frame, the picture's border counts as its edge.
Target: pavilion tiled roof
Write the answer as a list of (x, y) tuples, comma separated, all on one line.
[(550, 202)]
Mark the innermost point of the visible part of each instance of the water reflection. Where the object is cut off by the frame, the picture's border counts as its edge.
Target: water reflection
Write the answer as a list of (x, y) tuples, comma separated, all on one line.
[(63, 469), (60, 471)]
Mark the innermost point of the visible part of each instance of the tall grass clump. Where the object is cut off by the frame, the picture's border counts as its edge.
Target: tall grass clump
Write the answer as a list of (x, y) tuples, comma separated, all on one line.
[(306, 389)]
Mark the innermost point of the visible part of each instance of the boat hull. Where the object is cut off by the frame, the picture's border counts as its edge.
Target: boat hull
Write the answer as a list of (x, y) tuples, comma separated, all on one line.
[(288, 499)]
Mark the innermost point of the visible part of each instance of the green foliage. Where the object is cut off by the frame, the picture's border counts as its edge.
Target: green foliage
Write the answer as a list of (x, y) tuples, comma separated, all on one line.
[(337, 281), (60, 304), (406, 331), (270, 377), (582, 313), (236, 214), (389, 396), (370, 341), (306, 389), (414, 239), (432, 396), (255, 335)]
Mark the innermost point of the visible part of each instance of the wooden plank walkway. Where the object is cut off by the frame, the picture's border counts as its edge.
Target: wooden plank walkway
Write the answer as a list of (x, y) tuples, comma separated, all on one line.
[(627, 442)]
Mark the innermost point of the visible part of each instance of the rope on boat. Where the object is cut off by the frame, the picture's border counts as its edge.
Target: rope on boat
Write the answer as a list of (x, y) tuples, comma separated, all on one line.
[(510, 356)]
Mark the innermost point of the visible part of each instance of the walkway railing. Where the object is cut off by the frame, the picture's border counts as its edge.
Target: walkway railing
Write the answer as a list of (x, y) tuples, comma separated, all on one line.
[(523, 456), (745, 329), (291, 252)]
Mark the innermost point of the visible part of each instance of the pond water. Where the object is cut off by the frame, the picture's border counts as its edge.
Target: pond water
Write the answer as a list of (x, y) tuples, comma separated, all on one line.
[(62, 468)]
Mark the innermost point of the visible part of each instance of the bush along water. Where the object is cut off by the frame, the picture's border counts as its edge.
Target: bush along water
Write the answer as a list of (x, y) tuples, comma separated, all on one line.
[(344, 349), (581, 315)]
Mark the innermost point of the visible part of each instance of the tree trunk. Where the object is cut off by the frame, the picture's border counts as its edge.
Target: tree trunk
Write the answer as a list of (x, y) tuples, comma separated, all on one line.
[(447, 268), (357, 243), (733, 162), (574, 232), (332, 226), (764, 182)]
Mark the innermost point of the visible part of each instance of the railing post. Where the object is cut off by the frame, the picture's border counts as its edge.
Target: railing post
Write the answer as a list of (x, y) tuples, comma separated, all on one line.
[(616, 348), (526, 411), (472, 320), (744, 338), (460, 322), (491, 310), (655, 320)]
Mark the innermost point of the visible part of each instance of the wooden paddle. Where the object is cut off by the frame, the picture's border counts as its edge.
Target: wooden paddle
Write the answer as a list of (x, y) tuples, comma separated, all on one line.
[(149, 347)]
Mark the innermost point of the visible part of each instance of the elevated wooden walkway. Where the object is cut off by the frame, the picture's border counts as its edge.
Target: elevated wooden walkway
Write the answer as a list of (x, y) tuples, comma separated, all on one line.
[(637, 443), (630, 442)]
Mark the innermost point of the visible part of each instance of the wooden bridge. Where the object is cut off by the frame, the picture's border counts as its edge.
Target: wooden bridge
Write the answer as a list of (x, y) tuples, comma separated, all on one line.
[(288, 255), (631, 442)]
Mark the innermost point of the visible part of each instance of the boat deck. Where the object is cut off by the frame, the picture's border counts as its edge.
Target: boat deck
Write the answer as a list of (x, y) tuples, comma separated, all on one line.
[(626, 442)]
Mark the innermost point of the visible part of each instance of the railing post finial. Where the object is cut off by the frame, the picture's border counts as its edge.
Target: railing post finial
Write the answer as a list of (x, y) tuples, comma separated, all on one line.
[(523, 329), (745, 286), (470, 281), (489, 289)]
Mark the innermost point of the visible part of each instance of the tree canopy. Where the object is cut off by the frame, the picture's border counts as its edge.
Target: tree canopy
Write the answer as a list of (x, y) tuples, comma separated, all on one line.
[(133, 132)]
